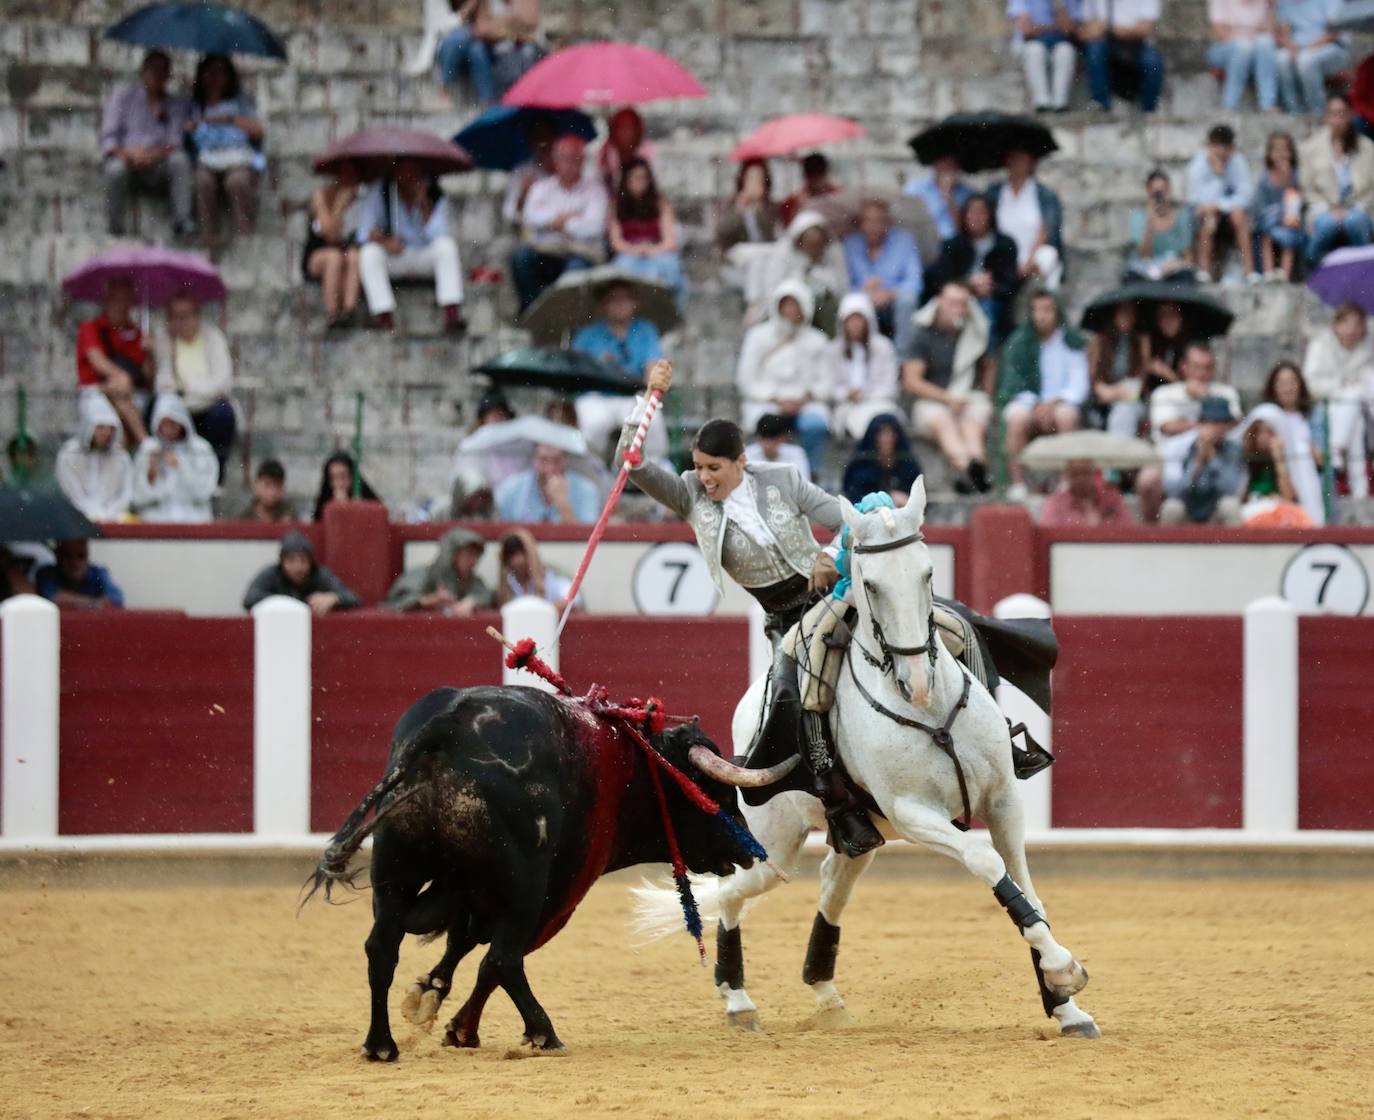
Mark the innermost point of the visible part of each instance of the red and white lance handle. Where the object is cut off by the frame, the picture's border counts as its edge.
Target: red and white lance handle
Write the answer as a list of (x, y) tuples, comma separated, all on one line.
[(634, 454)]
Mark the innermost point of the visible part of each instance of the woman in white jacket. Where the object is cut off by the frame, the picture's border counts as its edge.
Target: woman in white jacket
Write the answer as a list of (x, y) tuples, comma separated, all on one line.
[(863, 367), (175, 471), (1339, 369), (193, 361), (93, 469)]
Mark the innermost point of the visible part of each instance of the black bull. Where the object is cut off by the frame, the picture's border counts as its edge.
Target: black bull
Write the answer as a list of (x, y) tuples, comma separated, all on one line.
[(498, 810)]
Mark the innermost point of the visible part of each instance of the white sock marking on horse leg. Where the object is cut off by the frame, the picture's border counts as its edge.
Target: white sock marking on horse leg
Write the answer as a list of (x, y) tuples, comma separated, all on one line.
[(827, 997), (736, 999), (1053, 956), (1070, 1014)]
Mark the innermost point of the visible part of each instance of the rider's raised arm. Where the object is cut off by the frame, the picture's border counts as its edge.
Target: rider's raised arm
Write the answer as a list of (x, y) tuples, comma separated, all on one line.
[(663, 486)]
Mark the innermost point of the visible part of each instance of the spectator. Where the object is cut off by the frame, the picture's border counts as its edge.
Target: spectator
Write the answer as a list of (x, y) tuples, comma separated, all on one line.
[(1278, 209), (1338, 176), (632, 344), (643, 230), (111, 356), (562, 410), (1203, 469), (1043, 34), (882, 463), (474, 476), (74, 583), (337, 482), (983, 259), (297, 576), (1309, 52), (546, 492), (1282, 486), (1032, 216), (471, 46), (624, 145), (1175, 408), (523, 572), (1340, 370), (331, 246), (944, 193), (885, 265), (782, 369), (269, 495), (15, 578), (1084, 499), (564, 220), (93, 469), (193, 361), (1161, 234), (1042, 384), (24, 455), (1287, 390), (773, 444), (403, 232), (450, 584), (227, 136), (863, 368), (752, 217), (1243, 43), (1119, 52), (1362, 95), (175, 471), (141, 145), (541, 134), (1219, 191), (1166, 341), (808, 253), (1116, 358), (816, 183), (949, 372)]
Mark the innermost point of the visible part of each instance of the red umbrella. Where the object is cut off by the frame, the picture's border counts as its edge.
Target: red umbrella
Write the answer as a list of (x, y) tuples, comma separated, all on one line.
[(784, 135), (376, 151), (157, 276), (602, 74)]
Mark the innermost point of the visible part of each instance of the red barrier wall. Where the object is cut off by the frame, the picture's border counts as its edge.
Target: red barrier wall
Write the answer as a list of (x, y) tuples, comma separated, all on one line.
[(1336, 742)]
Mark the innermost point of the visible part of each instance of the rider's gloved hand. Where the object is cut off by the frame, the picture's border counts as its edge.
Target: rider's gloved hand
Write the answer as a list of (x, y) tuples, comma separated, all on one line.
[(824, 574)]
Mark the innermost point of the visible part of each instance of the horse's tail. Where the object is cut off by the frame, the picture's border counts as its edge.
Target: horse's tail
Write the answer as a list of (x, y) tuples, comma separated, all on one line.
[(658, 911)]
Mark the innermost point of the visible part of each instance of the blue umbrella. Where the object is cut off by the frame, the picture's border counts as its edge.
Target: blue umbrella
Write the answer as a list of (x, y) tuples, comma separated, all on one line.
[(498, 139), (207, 28)]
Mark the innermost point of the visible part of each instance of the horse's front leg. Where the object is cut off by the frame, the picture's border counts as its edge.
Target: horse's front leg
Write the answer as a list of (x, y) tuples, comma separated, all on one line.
[(838, 875)]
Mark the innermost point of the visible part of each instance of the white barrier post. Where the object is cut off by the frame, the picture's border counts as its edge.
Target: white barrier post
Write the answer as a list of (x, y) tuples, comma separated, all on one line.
[(30, 705), (530, 617), (760, 648), (1270, 754), (1037, 792), (281, 717)]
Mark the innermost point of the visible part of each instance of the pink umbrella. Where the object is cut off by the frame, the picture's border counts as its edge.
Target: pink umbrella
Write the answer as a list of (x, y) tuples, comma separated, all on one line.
[(157, 275), (602, 74), (784, 135), (375, 151)]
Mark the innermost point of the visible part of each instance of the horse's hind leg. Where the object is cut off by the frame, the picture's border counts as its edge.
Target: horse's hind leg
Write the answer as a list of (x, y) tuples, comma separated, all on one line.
[(838, 876)]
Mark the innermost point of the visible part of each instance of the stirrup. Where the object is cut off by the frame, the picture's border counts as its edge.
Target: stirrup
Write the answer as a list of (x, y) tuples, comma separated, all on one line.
[(850, 831), (1029, 762)]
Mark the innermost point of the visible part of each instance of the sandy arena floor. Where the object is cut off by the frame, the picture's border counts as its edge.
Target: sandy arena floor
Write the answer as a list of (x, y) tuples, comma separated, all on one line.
[(1218, 999)]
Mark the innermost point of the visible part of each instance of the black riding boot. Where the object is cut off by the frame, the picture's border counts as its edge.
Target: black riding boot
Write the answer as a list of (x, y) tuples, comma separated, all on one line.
[(851, 828)]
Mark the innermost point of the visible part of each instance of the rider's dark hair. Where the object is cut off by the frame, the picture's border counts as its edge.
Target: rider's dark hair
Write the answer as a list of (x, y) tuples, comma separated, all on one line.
[(720, 438)]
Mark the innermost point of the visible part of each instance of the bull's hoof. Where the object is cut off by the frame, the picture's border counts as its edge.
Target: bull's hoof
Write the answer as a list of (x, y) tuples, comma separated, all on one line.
[(1067, 982), (744, 1020), (384, 1051), (422, 1001), (1086, 1029), (456, 1036), (538, 1047)]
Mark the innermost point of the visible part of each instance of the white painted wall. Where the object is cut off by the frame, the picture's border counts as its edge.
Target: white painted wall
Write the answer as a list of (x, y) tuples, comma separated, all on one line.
[(198, 577)]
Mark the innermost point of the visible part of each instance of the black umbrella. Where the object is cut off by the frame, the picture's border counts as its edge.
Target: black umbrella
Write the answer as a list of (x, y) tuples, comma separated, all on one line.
[(981, 141), (567, 371), (41, 515), (1357, 15), (1203, 317)]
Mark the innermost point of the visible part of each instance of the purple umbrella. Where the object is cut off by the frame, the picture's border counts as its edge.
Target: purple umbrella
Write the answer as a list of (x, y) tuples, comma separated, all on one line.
[(1346, 276), (157, 275)]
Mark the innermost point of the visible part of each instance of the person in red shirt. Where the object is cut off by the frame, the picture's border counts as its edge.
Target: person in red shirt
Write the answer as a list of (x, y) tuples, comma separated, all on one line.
[(1084, 499), (816, 183), (111, 355)]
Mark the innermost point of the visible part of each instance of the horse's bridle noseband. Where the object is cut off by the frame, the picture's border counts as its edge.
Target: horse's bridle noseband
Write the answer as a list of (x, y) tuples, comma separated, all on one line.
[(928, 648)]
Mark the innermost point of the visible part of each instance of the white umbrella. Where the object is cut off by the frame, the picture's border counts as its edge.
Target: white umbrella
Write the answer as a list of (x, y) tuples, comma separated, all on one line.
[(526, 430), (1112, 452)]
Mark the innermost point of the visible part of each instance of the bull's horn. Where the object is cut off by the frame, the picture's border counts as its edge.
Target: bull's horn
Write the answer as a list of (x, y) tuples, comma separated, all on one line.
[(712, 765)]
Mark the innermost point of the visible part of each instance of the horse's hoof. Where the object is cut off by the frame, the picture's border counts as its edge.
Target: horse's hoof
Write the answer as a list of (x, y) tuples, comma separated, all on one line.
[(1067, 982), (1086, 1029), (744, 1020)]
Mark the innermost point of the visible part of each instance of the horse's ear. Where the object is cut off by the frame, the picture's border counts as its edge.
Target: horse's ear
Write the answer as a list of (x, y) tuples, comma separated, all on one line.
[(916, 501), (852, 517)]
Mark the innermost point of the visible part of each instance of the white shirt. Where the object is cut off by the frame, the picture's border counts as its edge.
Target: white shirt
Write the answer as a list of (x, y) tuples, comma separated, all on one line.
[(741, 508), (1125, 13), (1019, 217), (549, 197), (1174, 402), (788, 453)]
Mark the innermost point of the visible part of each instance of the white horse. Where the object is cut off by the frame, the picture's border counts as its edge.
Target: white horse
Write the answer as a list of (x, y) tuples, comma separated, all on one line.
[(899, 688)]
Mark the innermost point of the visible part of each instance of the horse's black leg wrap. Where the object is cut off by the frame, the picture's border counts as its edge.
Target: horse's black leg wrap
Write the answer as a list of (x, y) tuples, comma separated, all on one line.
[(729, 957), (821, 951), (1017, 905), (1048, 1000)]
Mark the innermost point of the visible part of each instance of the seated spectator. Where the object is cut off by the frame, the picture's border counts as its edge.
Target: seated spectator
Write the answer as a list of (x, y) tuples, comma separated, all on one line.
[(949, 371), (1031, 215), (93, 469), (338, 480), (331, 246), (141, 145), (863, 368), (1166, 341), (1287, 390), (547, 492), (782, 369), (1278, 209), (562, 410), (633, 345), (1043, 34), (882, 463), (1203, 470), (540, 134), (1243, 44), (816, 183), (808, 253), (470, 496), (25, 457), (1042, 384), (1219, 191), (885, 265), (74, 583), (403, 232), (523, 572), (944, 193), (643, 230), (15, 577), (1309, 51), (450, 584), (269, 495), (1122, 58), (474, 476), (1339, 367), (1338, 177), (469, 48), (564, 219), (1116, 358), (193, 361), (111, 356), (752, 217), (297, 575), (984, 260), (1282, 488), (1084, 499), (773, 444), (175, 471), (1362, 95), (624, 144), (227, 136), (1161, 234)]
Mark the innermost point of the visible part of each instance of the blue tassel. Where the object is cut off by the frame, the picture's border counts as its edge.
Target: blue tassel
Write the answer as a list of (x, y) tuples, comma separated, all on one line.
[(690, 914), (741, 835)]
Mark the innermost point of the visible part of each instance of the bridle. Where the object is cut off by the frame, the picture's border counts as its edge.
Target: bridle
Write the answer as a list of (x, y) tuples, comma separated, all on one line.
[(885, 664)]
